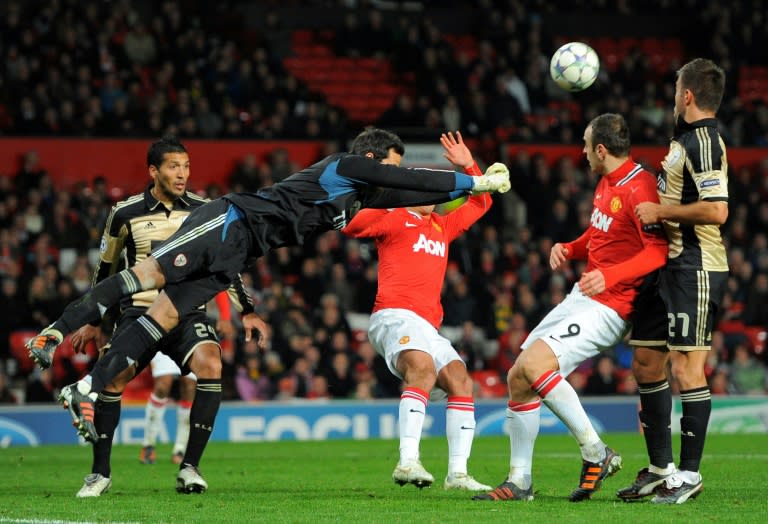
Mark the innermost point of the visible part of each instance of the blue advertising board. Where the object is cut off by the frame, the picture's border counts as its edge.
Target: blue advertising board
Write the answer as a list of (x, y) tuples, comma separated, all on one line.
[(320, 420), (301, 420)]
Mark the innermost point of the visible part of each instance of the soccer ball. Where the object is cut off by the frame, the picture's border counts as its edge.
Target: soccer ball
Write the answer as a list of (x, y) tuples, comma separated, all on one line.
[(574, 66)]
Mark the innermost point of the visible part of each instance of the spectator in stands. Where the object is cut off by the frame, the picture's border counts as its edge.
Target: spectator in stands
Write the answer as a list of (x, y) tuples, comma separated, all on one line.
[(40, 388), (748, 376), (6, 395), (602, 380)]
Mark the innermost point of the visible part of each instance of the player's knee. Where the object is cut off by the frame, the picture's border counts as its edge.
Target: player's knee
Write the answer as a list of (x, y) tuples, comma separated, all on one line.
[(457, 382), (206, 363), (687, 375), (648, 366)]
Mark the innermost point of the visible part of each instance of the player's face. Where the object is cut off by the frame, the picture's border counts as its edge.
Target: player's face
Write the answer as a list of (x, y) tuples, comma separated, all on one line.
[(171, 177), (591, 153), (393, 157)]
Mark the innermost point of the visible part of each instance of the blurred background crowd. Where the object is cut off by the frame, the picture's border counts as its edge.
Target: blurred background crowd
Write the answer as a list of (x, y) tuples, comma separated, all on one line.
[(321, 71)]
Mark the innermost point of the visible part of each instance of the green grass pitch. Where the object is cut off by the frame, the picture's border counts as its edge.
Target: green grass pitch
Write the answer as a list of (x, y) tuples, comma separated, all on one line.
[(350, 481)]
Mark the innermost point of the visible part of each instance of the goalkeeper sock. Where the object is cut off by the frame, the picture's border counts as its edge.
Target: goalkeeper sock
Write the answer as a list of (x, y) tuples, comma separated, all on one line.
[(412, 410), (125, 350), (523, 422), (91, 306), (153, 418), (562, 400), (697, 406), (655, 418), (106, 418), (460, 430), (201, 418)]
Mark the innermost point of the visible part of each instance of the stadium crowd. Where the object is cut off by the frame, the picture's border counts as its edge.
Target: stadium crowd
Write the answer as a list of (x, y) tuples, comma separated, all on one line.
[(91, 69)]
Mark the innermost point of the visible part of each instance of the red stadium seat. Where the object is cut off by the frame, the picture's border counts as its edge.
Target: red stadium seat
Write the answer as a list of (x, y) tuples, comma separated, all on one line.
[(490, 385), (16, 342)]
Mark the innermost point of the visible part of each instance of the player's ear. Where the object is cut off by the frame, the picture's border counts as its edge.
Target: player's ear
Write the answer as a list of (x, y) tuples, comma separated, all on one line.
[(369, 154)]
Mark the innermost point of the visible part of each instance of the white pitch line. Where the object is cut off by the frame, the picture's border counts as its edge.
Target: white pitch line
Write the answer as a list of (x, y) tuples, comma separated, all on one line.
[(48, 521)]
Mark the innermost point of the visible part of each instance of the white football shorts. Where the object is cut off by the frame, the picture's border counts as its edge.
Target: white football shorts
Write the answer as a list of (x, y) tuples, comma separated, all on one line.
[(578, 328), (393, 330), (162, 365)]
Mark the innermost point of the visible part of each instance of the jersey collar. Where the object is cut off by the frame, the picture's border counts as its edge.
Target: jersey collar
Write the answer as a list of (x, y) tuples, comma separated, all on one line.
[(683, 127), (620, 172), (153, 203)]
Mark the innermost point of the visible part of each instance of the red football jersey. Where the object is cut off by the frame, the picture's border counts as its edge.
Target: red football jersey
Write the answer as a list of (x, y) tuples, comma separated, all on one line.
[(615, 234), (413, 253)]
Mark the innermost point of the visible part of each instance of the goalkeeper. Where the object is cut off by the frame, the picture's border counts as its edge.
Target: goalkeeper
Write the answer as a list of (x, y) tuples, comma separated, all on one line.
[(216, 241)]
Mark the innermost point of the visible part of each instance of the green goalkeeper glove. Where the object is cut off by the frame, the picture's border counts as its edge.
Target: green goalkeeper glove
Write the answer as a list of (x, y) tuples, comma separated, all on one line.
[(495, 179)]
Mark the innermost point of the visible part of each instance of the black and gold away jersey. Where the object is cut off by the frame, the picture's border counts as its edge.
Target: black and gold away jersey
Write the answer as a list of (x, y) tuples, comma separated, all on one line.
[(695, 168)]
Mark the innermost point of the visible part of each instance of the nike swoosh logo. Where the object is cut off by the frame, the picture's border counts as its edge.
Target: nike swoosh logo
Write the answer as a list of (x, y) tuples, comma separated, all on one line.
[(464, 427), (417, 411), (553, 338), (408, 224)]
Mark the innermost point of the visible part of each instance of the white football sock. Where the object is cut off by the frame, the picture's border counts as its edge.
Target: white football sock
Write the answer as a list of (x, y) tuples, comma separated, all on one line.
[(562, 400), (153, 417), (460, 430), (413, 408), (182, 427), (524, 420)]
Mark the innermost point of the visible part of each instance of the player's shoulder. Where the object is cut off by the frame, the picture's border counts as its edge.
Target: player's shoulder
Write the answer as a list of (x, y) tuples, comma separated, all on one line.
[(131, 206), (194, 200)]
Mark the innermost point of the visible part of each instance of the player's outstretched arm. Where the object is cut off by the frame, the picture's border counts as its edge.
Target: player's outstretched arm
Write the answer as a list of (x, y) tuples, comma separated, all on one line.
[(457, 153)]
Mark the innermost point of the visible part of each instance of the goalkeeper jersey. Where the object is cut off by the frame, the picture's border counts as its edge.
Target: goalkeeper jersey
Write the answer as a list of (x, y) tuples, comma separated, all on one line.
[(413, 253)]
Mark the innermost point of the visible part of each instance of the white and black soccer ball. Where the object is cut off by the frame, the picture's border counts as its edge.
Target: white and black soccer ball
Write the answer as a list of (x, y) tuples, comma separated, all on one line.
[(574, 66)]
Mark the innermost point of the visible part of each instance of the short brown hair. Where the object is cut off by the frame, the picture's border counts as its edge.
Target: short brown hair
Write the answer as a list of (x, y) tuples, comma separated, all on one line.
[(705, 80)]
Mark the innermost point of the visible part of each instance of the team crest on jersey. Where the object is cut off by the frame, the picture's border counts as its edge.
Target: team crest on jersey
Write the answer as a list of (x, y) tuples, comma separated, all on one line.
[(615, 204), (661, 182), (404, 340), (180, 260)]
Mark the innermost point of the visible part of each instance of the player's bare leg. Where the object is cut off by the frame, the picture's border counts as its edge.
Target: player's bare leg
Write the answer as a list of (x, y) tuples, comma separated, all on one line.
[(418, 370), (459, 425)]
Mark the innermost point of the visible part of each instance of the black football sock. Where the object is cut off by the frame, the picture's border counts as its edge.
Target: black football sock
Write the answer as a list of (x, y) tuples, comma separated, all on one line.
[(201, 418), (91, 306), (106, 419), (697, 406), (125, 350), (656, 419)]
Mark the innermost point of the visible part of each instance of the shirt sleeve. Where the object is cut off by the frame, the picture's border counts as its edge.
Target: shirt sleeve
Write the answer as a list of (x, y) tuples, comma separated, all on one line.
[(460, 219), (370, 171), (578, 249), (112, 242), (367, 223)]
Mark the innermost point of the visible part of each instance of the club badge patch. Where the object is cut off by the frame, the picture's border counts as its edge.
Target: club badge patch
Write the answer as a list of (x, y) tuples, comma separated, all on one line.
[(615, 204), (404, 340), (180, 260)]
